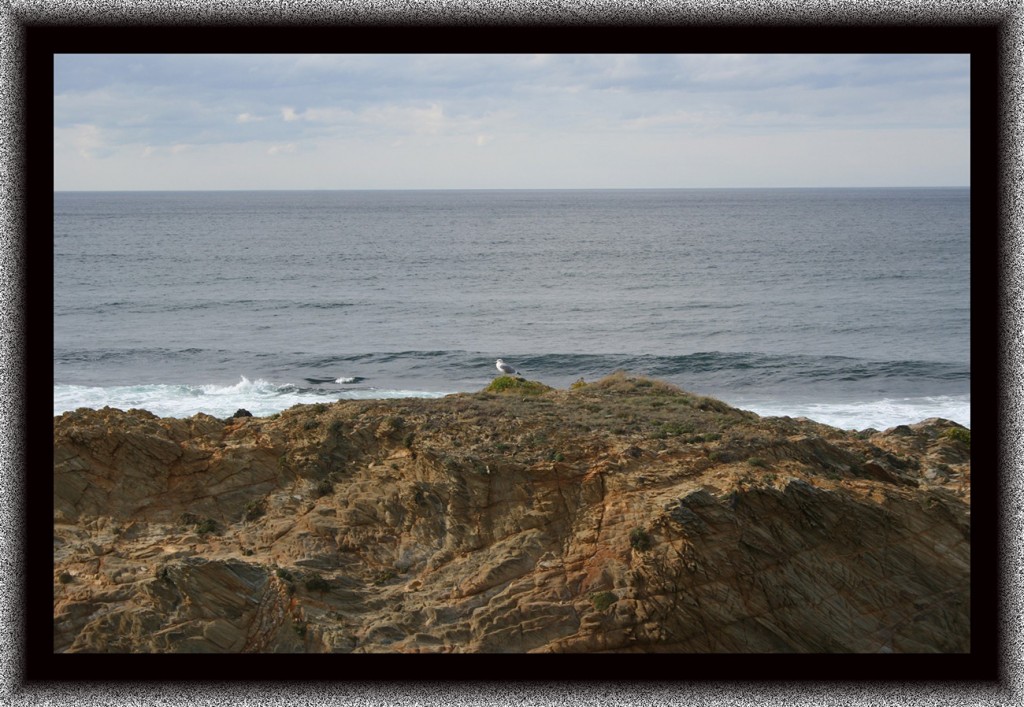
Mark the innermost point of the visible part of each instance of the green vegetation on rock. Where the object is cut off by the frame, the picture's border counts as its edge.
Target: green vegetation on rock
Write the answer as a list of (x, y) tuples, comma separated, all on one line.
[(959, 434), (603, 600), (509, 384), (640, 540), (316, 583), (254, 509)]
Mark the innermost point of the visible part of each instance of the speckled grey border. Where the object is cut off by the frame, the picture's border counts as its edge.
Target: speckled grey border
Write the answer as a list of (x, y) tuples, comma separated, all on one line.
[(15, 13)]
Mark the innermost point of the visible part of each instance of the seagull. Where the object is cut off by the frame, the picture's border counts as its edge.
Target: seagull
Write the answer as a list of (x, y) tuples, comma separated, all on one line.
[(507, 369)]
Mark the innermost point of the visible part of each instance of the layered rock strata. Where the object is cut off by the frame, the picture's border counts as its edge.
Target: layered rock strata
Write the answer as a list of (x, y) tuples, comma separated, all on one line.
[(621, 515)]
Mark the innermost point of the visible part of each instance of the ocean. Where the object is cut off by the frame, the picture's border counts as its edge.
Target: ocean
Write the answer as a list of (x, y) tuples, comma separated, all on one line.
[(847, 306)]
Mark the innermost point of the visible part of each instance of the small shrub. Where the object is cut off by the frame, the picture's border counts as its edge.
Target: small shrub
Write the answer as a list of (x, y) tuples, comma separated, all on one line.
[(311, 424), (640, 540), (324, 488), (206, 526), (757, 461), (316, 583), (603, 600), (711, 404), (255, 509), (958, 434), (578, 384), (676, 429), (284, 574), (66, 578), (508, 384), (383, 577), (300, 628)]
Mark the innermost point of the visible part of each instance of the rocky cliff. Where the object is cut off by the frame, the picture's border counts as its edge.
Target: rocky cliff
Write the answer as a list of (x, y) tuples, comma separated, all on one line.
[(620, 515)]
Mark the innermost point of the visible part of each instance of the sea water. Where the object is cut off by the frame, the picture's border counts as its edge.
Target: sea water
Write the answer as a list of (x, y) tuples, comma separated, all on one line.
[(848, 306)]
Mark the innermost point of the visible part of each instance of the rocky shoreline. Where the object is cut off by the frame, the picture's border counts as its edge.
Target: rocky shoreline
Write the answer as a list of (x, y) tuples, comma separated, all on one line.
[(623, 515)]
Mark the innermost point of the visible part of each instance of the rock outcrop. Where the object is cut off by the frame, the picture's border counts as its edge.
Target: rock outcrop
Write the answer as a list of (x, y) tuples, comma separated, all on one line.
[(621, 515)]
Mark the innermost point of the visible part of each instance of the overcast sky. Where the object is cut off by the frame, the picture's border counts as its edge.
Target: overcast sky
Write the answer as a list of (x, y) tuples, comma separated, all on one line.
[(390, 121)]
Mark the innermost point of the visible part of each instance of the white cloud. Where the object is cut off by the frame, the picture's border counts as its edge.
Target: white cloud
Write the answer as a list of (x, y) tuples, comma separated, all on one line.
[(428, 120), (674, 119), (563, 119), (84, 140)]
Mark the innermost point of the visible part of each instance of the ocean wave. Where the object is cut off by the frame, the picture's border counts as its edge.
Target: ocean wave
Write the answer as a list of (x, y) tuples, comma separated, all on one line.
[(774, 367), (879, 414), (702, 361), (259, 397), (850, 391), (262, 398), (724, 368)]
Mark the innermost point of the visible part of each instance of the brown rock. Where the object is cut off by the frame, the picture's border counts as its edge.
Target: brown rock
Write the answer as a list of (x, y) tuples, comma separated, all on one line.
[(624, 515)]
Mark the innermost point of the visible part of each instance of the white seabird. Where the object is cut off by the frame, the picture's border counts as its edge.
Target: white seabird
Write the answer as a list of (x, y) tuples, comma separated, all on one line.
[(507, 369)]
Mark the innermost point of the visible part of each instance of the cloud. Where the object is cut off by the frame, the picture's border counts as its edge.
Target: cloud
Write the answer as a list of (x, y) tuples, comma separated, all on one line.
[(420, 120), (391, 118), (674, 119), (85, 140), (442, 108)]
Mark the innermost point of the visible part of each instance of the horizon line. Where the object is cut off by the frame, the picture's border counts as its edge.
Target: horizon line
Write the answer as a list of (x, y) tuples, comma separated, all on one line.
[(307, 189)]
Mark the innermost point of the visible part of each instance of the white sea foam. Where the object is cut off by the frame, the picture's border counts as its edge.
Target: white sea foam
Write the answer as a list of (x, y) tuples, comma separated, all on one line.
[(259, 397), (262, 398), (878, 414)]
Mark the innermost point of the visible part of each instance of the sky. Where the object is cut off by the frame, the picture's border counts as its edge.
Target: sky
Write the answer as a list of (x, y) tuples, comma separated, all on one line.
[(509, 121)]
